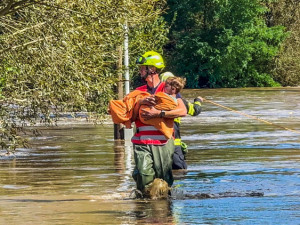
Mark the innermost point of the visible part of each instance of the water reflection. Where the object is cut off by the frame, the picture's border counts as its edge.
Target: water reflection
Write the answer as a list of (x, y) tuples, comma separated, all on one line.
[(153, 212), (119, 156)]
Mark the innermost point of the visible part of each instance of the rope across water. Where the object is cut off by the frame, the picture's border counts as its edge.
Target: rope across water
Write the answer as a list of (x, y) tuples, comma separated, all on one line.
[(249, 116)]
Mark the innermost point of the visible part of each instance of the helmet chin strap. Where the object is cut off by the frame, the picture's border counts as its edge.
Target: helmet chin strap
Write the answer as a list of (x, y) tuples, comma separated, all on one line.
[(148, 73)]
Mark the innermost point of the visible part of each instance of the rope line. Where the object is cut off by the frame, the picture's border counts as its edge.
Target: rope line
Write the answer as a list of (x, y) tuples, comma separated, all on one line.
[(252, 117)]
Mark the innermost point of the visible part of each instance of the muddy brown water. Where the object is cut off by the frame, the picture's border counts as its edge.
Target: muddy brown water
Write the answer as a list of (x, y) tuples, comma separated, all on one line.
[(77, 174)]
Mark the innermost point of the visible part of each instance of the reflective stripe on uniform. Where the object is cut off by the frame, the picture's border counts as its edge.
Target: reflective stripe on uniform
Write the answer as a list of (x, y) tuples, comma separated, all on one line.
[(177, 141), (147, 128), (177, 120), (150, 137), (191, 109), (146, 134)]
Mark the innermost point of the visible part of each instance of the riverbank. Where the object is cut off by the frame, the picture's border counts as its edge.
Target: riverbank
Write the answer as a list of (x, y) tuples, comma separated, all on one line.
[(77, 118), (64, 121)]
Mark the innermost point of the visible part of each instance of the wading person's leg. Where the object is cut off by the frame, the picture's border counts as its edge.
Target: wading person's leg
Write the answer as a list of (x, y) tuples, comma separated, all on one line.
[(153, 161), (163, 158), (143, 173)]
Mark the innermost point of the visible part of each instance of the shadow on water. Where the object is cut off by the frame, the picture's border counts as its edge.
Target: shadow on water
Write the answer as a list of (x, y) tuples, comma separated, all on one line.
[(240, 171)]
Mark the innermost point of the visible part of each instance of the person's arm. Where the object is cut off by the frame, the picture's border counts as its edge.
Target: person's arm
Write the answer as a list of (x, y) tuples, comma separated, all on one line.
[(150, 101), (179, 111), (193, 109)]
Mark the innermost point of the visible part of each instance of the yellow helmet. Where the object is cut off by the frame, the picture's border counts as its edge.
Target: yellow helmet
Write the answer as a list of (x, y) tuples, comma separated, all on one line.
[(164, 76), (151, 58)]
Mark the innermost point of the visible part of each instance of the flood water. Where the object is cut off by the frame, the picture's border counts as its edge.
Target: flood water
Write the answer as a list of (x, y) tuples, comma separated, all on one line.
[(77, 174)]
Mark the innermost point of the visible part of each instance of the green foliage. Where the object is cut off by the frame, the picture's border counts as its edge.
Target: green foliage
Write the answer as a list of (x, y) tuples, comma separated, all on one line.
[(2, 84), (146, 37), (222, 43), (60, 56), (287, 64)]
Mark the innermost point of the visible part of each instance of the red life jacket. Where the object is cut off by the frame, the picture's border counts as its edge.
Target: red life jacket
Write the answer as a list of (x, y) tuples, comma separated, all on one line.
[(147, 134), (160, 88)]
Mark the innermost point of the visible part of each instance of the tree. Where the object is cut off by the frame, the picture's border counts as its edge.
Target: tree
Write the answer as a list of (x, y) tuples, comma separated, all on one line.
[(222, 43), (287, 64), (60, 56)]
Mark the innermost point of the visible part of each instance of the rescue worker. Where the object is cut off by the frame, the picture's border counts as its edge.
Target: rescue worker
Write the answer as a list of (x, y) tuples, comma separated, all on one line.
[(153, 152), (193, 109)]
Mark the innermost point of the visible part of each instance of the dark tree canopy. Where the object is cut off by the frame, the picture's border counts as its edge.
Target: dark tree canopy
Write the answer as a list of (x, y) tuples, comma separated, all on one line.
[(222, 43)]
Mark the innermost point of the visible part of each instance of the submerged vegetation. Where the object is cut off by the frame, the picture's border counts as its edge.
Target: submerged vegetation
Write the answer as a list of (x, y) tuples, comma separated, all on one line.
[(60, 56)]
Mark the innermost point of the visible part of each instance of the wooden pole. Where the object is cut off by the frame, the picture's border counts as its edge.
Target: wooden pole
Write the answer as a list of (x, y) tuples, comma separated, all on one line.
[(119, 128)]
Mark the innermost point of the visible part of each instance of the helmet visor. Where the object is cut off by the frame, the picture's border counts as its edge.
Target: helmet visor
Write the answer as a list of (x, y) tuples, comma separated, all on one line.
[(141, 60)]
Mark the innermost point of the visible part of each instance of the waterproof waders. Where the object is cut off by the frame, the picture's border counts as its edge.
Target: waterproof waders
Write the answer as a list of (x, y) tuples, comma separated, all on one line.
[(153, 161)]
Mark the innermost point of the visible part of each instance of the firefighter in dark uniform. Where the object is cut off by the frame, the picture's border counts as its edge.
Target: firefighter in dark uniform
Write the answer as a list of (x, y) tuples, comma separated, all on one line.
[(193, 109)]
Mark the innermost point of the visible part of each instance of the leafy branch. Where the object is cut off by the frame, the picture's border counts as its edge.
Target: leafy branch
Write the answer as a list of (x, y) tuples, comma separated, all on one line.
[(12, 6)]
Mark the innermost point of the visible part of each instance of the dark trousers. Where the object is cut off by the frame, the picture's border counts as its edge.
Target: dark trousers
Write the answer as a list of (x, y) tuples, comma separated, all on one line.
[(178, 159)]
